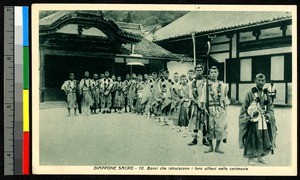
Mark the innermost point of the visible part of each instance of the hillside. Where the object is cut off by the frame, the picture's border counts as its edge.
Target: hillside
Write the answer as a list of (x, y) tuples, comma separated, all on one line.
[(146, 18)]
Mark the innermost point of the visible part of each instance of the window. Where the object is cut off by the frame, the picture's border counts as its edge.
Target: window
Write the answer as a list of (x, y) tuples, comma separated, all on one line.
[(261, 64), (277, 67), (246, 69)]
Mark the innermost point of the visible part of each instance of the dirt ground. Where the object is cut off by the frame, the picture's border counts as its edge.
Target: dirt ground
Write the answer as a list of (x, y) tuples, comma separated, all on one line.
[(130, 139)]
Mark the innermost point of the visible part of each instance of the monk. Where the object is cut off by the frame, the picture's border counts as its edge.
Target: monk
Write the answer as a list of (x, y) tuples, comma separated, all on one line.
[(257, 125)]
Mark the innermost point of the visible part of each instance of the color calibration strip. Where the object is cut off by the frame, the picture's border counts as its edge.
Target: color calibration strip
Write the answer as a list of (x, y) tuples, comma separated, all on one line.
[(9, 90), (21, 94), (16, 91), (26, 139)]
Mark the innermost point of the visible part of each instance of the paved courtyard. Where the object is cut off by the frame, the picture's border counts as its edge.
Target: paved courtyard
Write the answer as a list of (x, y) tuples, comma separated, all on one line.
[(130, 139)]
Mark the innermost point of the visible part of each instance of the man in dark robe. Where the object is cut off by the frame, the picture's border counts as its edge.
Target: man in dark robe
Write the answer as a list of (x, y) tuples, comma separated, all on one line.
[(257, 126)]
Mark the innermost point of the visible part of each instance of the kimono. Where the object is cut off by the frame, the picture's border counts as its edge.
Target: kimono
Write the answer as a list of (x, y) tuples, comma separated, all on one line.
[(119, 101), (70, 88), (85, 89), (217, 123), (95, 94), (257, 132), (175, 102), (184, 104), (157, 98), (140, 107), (126, 86), (106, 97), (197, 110), (113, 94), (162, 96), (147, 96), (167, 96), (132, 95)]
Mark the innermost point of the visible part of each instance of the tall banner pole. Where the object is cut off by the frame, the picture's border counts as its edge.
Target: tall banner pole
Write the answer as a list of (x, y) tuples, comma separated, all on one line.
[(194, 48), (207, 89)]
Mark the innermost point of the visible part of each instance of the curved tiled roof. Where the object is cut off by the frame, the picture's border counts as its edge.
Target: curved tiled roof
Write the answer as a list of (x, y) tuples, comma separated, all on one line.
[(54, 21), (144, 47), (150, 50), (207, 21)]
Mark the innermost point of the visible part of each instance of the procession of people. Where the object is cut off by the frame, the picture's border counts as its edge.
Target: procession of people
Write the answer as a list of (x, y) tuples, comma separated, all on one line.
[(189, 103)]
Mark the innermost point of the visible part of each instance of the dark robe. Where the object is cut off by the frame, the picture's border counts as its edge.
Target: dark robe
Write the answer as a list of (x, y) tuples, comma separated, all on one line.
[(183, 118), (119, 101), (175, 102), (257, 142)]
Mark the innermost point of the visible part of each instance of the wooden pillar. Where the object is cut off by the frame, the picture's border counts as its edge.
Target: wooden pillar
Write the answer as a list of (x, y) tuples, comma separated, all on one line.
[(286, 93), (238, 59), (42, 74), (229, 36)]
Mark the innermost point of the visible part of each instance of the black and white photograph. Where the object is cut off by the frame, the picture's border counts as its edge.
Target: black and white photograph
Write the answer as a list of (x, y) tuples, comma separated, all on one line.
[(164, 89)]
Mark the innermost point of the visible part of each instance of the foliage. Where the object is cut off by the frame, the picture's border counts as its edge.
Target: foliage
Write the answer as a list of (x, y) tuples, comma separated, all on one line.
[(146, 18)]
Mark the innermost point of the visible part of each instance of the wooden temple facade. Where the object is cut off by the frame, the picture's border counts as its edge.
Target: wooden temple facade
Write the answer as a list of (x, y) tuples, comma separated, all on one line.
[(244, 43), (79, 41)]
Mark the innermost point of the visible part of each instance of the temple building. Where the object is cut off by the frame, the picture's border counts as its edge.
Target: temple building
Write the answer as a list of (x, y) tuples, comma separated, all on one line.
[(79, 41), (243, 43)]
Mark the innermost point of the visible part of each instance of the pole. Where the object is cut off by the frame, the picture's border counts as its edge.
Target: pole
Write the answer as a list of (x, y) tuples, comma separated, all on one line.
[(207, 89), (194, 48)]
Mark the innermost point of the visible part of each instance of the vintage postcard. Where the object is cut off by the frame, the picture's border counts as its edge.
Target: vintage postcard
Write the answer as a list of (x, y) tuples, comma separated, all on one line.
[(164, 89)]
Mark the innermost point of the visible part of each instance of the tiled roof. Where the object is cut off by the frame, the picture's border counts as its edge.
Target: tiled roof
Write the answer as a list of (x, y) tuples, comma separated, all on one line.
[(207, 21), (185, 58), (50, 22), (149, 49), (131, 27), (144, 47)]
